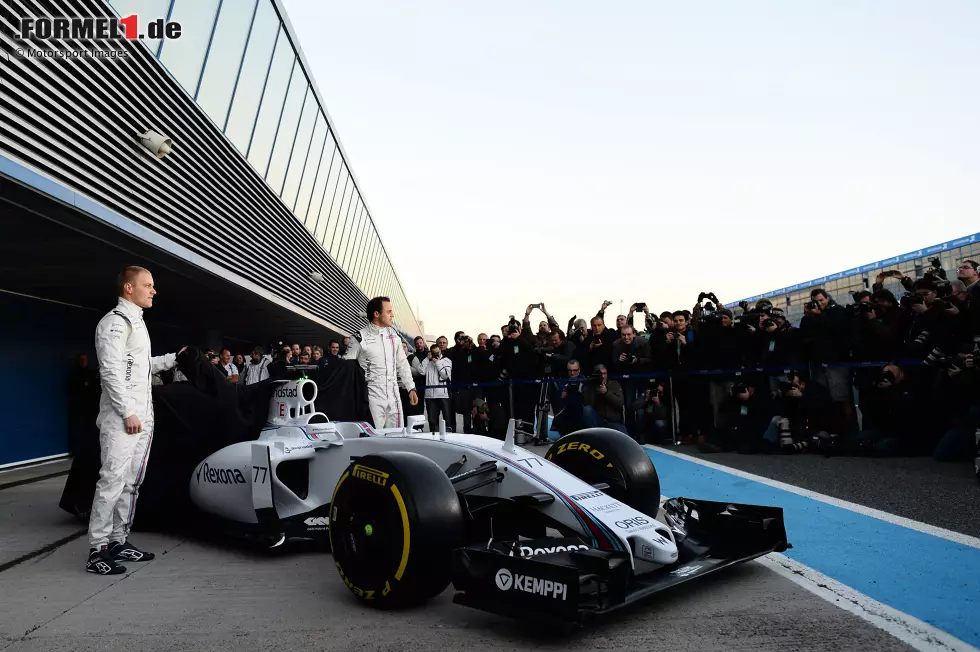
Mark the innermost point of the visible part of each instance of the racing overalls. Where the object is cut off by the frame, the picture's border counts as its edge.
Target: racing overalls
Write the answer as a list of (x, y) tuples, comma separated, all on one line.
[(379, 352), (122, 344)]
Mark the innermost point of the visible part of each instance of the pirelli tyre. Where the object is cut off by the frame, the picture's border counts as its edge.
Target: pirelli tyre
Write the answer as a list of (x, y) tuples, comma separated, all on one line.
[(395, 520), (607, 456)]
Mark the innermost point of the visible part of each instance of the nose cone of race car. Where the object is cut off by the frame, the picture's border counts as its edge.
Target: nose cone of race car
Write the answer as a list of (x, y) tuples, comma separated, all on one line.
[(656, 545)]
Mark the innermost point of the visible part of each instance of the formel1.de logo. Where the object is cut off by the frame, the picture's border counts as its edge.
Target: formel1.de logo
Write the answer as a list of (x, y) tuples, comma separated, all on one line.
[(96, 29)]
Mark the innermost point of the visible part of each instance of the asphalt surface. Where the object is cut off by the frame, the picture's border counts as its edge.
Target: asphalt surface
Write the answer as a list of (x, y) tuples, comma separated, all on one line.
[(938, 493), (204, 595)]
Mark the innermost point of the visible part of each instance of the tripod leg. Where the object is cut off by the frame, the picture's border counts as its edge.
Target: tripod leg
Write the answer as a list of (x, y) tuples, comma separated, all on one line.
[(541, 432)]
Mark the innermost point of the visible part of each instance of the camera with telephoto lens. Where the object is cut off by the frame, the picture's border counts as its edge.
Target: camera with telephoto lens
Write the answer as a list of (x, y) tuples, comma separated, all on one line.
[(885, 376), (910, 299), (865, 307), (656, 389), (595, 378), (513, 326)]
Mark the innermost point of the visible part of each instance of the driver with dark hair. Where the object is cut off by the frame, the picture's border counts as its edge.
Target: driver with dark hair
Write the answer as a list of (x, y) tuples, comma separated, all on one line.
[(377, 348)]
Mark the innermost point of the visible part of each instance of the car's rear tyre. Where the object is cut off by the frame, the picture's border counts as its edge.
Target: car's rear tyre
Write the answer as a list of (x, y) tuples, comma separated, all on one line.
[(604, 455), (395, 520)]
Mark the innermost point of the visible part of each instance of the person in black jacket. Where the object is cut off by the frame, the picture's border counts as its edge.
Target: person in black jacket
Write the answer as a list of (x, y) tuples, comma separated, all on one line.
[(518, 362), (420, 353), (631, 356), (720, 346), (826, 331), (461, 398)]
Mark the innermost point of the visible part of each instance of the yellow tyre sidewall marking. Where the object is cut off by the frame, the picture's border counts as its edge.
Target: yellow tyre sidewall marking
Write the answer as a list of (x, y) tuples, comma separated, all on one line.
[(406, 534)]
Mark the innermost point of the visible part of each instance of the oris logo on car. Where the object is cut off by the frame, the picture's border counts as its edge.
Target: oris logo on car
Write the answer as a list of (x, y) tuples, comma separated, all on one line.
[(212, 475), (632, 523), (506, 581)]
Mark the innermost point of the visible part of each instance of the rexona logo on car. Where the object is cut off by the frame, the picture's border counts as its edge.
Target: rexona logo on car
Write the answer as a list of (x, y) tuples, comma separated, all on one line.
[(362, 472), (506, 581), (527, 551), (283, 392), (591, 494), (580, 446), (219, 476)]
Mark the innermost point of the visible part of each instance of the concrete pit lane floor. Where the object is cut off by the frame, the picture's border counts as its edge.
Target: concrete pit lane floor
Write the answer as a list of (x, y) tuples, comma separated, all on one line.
[(203, 595)]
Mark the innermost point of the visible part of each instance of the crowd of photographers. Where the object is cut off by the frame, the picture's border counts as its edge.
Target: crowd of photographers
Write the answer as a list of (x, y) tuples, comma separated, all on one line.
[(884, 375)]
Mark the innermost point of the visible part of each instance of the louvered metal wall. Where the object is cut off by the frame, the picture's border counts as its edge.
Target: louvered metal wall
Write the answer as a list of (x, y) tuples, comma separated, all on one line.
[(76, 121)]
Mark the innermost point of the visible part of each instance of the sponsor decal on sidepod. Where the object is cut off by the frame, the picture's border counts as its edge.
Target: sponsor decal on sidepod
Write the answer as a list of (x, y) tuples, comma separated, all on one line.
[(219, 476)]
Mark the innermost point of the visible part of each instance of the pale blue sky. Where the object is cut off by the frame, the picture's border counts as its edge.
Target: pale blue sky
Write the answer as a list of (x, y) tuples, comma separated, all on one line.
[(570, 152)]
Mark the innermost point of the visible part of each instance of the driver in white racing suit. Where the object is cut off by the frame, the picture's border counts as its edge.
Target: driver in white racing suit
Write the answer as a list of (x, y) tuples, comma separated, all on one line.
[(125, 421), (378, 350)]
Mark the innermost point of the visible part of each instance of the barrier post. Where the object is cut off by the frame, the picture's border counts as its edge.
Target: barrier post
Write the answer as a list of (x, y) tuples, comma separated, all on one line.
[(673, 406)]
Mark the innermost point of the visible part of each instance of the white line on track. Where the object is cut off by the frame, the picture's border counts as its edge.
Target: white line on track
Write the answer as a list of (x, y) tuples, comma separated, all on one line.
[(908, 629), (943, 533)]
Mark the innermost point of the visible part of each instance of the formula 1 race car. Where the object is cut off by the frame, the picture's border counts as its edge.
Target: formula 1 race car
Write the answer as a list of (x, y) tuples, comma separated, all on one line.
[(574, 533)]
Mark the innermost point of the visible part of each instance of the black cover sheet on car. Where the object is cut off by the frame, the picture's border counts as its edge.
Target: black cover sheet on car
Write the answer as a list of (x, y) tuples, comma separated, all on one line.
[(197, 418)]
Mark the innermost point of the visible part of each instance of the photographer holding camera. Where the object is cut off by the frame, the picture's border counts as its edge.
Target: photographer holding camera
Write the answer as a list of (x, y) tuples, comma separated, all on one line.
[(518, 362), (826, 332), (568, 417), (461, 398), (744, 420), (599, 344), (891, 418), (720, 346), (631, 355), (793, 412), (651, 413), (602, 402), (438, 371)]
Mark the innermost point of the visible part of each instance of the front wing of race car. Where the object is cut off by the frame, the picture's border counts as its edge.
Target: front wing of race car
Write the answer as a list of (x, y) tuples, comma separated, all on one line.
[(575, 584)]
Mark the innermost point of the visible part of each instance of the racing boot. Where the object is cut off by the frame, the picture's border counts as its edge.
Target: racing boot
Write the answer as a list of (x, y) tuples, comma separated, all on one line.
[(128, 552), (101, 562)]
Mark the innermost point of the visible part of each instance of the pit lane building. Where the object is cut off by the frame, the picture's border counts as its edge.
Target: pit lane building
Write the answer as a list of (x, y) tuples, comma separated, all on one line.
[(840, 285), (253, 223)]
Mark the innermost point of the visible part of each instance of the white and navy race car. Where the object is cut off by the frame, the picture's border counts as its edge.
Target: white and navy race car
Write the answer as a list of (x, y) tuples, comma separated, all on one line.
[(578, 531)]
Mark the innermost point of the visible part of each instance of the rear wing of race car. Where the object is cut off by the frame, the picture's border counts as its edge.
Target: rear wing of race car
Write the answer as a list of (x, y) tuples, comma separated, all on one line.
[(574, 585)]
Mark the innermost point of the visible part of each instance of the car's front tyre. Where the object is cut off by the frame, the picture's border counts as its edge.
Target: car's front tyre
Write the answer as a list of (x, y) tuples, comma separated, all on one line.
[(604, 455), (395, 520)]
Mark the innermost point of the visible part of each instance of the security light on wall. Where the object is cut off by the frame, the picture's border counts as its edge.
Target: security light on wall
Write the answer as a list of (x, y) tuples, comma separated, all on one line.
[(158, 145)]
